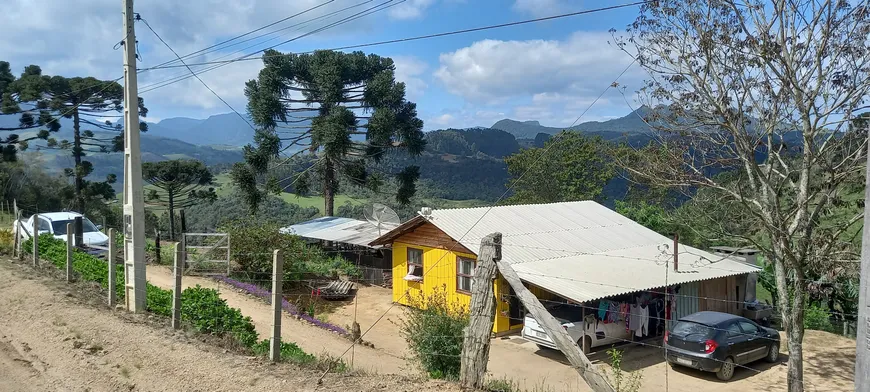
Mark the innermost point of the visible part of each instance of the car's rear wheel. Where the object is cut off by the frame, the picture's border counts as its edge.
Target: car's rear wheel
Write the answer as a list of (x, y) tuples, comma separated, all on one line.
[(726, 371), (773, 354)]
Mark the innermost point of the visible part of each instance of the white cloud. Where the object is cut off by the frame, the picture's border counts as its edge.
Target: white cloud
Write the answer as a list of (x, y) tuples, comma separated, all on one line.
[(540, 7), (83, 45), (409, 70), (410, 9), (443, 120), (491, 71)]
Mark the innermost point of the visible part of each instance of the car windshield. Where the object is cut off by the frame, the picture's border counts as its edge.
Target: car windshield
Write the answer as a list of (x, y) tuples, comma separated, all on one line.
[(690, 329), (59, 227), (565, 313)]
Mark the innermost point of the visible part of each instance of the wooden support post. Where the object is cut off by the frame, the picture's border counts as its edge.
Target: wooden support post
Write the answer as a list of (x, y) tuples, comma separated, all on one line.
[(16, 246), (568, 347), (79, 232), (586, 348), (35, 237), (475, 346), (183, 221), (69, 252), (277, 300), (157, 245), (113, 271), (177, 270)]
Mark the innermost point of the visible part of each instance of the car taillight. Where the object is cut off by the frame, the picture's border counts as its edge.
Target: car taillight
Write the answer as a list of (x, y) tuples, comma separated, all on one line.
[(667, 334), (710, 346), (565, 327)]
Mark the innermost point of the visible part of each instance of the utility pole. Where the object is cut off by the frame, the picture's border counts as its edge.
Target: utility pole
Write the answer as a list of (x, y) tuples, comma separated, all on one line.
[(862, 362), (134, 208)]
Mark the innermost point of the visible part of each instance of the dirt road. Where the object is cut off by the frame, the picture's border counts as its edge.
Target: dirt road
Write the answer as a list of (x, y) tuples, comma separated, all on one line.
[(53, 340)]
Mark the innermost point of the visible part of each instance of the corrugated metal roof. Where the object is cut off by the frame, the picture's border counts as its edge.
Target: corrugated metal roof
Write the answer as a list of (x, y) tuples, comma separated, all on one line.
[(330, 228), (583, 250)]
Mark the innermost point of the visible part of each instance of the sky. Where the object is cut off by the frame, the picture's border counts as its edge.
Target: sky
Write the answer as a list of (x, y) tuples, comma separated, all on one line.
[(547, 71)]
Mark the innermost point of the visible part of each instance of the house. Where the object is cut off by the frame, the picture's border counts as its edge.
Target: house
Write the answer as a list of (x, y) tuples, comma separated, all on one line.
[(352, 236), (573, 252)]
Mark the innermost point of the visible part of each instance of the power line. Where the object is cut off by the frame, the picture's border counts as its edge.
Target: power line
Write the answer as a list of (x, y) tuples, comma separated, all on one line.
[(436, 35), (366, 12), (246, 34), (328, 15), (194, 74)]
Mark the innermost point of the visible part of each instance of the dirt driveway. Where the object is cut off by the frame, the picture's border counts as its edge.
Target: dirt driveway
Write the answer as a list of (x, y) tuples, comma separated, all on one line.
[(56, 337), (829, 359)]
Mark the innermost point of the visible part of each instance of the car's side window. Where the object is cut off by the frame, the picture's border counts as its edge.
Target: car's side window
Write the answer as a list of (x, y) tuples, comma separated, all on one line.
[(748, 328), (44, 225), (733, 330)]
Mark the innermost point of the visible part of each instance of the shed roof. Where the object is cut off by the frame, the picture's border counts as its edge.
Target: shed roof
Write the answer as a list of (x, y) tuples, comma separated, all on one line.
[(331, 228), (580, 250)]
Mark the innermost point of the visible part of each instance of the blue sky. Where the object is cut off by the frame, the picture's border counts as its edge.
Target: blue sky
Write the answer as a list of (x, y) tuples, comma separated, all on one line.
[(547, 71)]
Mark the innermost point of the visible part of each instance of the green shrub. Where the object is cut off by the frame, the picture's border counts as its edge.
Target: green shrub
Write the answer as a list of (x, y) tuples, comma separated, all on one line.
[(290, 352), (818, 318), (7, 241), (620, 380), (433, 330), (202, 308), (253, 244), (208, 313)]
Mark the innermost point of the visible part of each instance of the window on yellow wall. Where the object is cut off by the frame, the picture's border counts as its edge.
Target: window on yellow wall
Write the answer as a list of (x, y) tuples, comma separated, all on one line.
[(415, 265), (464, 274)]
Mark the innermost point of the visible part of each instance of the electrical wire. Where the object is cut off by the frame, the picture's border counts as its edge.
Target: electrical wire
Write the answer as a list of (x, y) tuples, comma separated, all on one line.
[(369, 11), (328, 15), (206, 50), (435, 35), (194, 74)]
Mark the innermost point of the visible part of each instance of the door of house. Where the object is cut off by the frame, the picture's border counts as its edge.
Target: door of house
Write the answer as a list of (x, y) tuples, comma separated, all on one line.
[(516, 312)]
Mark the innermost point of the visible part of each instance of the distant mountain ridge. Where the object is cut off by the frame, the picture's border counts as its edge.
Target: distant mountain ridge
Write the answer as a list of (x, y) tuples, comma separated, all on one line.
[(631, 123)]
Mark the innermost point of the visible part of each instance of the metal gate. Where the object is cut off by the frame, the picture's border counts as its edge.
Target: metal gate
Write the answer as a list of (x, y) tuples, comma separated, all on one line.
[(206, 253)]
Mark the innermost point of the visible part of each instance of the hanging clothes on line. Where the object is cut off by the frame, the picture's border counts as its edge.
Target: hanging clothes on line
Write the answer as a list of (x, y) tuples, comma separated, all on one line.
[(643, 322)]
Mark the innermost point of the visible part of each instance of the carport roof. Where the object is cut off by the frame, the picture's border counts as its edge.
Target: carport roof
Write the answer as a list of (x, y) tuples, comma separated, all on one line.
[(331, 228), (581, 250)]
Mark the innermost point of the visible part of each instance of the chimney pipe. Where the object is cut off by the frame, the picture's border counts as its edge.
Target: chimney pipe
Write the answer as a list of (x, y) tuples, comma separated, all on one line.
[(676, 252)]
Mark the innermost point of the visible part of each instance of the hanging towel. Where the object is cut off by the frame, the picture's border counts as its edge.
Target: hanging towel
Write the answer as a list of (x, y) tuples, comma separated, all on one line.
[(602, 309), (634, 316)]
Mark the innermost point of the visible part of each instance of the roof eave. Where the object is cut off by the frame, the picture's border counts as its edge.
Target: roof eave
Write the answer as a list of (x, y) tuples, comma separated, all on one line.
[(406, 227)]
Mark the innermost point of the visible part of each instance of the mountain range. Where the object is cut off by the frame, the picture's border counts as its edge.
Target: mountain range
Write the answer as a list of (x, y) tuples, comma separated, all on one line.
[(630, 124)]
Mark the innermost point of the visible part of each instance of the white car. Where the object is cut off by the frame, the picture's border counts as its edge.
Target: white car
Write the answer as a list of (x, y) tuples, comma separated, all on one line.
[(54, 223), (571, 318)]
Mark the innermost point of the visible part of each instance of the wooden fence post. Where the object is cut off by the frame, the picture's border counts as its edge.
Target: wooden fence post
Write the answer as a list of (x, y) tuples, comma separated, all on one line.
[(176, 292), (69, 252), (35, 237), (475, 345), (277, 300), (157, 245), (16, 246), (79, 232), (113, 271), (568, 347)]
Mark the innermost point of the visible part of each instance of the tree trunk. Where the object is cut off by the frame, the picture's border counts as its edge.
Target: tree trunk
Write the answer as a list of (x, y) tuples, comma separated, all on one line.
[(328, 188), (77, 171), (171, 216), (791, 307), (475, 344)]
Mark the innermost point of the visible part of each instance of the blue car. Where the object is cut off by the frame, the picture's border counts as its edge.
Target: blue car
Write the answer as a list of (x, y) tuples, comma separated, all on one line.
[(719, 342)]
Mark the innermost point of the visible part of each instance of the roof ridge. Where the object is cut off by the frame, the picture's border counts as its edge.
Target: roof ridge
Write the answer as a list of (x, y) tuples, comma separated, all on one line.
[(519, 205)]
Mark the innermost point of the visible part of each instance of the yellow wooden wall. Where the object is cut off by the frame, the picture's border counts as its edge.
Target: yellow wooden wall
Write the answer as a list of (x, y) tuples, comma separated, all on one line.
[(439, 267)]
